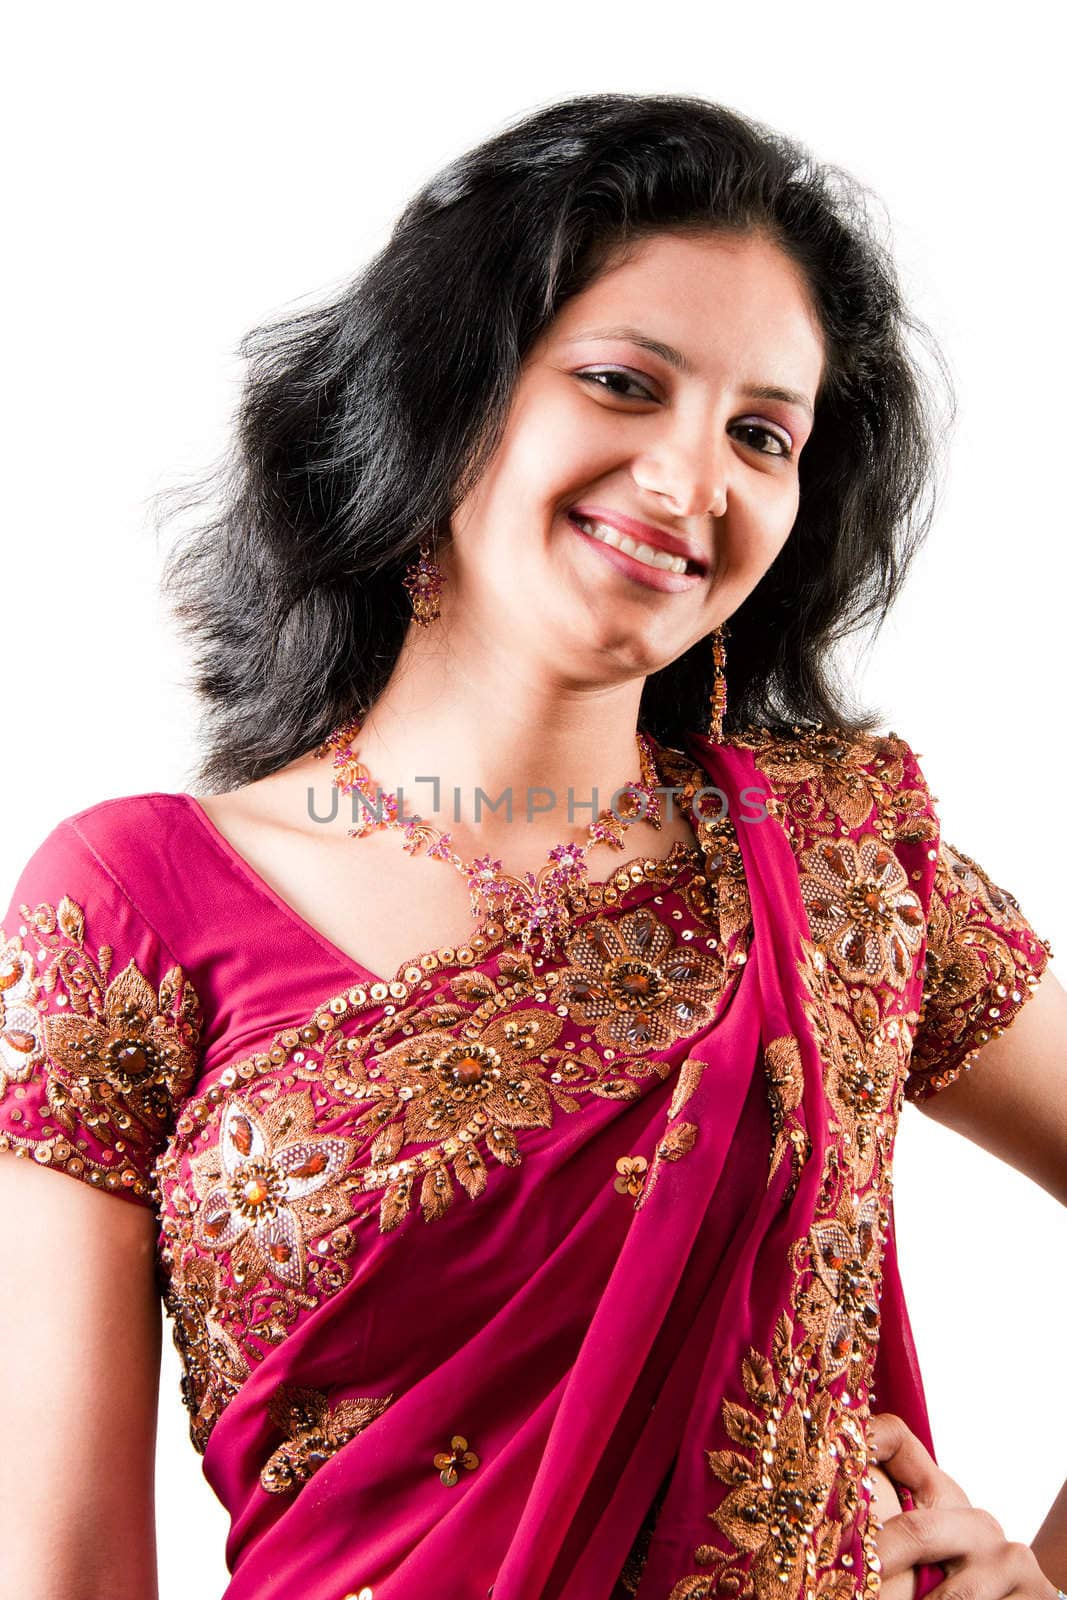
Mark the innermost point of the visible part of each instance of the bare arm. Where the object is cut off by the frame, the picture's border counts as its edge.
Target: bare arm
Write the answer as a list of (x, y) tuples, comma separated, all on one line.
[(1013, 1099), (80, 1339), (1013, 1103)]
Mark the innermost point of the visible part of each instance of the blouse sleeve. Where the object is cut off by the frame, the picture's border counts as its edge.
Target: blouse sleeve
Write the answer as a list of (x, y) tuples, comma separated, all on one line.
[(99, 1026), (983, 962)]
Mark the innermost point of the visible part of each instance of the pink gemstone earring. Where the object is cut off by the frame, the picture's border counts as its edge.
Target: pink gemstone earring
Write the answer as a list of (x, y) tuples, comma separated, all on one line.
[(718, 686), (424, 582)]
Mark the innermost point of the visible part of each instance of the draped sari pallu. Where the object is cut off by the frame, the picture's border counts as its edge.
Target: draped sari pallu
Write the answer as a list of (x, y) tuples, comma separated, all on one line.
[(645, 1361)]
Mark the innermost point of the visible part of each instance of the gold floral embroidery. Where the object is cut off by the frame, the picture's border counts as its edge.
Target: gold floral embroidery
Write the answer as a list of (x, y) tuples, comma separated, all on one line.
[(689, 1075), (794, 1505), (726, 898), (313, 1432), (841, 1304), (436, 1084), (115, 1062), (983, 961), (973, 881), (21, 1044), (785, 1089), (634, 986), (842, 775), (779, 1489), (676, 1143), (793, 1482), (259, 1206), (631, 1170), (449, 1461), (213, 1364), (862, 910)]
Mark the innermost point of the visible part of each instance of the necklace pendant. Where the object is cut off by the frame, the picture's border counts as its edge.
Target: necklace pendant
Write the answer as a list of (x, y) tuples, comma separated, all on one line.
[(610, 830), (548, 916)]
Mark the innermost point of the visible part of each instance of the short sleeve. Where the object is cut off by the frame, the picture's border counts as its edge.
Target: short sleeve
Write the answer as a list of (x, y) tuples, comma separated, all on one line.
[(99, 1025), (983, 962)]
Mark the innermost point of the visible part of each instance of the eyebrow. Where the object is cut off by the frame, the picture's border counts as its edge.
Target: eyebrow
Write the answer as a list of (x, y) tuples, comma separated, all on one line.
[(675, 358)]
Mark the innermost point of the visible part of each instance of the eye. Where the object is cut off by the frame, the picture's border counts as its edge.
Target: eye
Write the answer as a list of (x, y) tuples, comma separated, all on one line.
[(618, 377), (784, 447)]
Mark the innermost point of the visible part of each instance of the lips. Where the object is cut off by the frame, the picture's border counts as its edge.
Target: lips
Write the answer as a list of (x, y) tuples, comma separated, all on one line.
[(643, 533)]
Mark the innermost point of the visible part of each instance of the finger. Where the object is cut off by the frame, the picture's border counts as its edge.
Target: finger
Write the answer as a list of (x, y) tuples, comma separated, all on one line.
[(906, 1460), (945, 1533)]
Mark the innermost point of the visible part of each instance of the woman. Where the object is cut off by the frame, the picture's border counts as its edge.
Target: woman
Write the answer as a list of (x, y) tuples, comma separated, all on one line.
[(524, 1216)]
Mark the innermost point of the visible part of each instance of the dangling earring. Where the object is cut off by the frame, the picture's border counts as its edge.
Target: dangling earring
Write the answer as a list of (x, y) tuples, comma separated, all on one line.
[(424, 582), (718, 685)]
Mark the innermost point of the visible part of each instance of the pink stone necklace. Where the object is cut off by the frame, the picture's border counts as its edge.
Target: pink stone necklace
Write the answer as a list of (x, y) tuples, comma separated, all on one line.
[(531, 906)]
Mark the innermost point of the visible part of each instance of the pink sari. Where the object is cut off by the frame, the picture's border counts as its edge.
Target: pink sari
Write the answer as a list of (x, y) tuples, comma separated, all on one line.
[(643, 1360)]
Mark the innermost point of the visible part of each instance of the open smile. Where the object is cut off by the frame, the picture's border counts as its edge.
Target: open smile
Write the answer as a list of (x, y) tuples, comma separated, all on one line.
[(639, 562)]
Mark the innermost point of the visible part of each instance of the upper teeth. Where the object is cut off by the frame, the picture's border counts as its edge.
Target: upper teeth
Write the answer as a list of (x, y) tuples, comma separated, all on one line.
[(640, 552)]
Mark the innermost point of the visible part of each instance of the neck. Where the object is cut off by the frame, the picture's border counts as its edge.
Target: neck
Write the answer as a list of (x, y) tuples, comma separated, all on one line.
[(560, 750)]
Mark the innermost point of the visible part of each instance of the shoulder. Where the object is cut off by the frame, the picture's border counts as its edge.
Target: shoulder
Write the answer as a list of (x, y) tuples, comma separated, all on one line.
[(108, 866), (860, 778), (857, 810), (107, 850), (100, 1024)]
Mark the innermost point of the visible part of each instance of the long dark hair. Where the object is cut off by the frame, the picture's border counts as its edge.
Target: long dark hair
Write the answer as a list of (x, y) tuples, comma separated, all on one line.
[(366, 420)]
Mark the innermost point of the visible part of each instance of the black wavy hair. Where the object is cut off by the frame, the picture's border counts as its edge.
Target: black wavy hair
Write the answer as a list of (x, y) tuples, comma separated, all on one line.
[(365, 421)]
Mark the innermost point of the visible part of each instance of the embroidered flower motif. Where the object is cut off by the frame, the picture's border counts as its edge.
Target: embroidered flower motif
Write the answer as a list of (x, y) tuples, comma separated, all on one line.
[(132, 1049), (784, 1074), (846, 771), (313, 1432), (639, 990), (449, 1093), (257, 1207), (20, 1041), (113, 1064), (846, 1255), (861, 909), (955, 969), (863, 1065), (441, 1082), (631, 1170), (966, 875), (213, 1364), (983, 961), (677, 1142), (448, 1461), (780, 1486)]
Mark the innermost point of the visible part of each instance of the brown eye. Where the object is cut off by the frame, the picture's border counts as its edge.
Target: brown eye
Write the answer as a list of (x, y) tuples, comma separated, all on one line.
[(782, 448), (617, 377)]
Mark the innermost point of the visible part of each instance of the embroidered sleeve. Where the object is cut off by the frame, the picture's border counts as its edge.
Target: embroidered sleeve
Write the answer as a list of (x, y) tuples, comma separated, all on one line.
[(99, 1026), (983, 962)]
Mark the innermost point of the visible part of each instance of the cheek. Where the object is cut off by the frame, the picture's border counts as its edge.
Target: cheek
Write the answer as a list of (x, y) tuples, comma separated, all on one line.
[(750, 547), (770, 532)]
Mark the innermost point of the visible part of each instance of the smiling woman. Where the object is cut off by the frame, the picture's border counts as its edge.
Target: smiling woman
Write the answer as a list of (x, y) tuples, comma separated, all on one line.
[(526, 1234)]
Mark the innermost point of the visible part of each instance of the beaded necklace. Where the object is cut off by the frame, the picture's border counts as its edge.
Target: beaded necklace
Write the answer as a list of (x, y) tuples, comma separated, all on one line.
[(533, 906)]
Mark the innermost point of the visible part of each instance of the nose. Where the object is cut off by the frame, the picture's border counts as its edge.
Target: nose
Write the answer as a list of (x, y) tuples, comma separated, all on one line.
[(692, 479)]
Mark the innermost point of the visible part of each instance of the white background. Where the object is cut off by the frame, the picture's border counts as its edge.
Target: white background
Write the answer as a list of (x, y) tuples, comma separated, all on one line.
[(178, 174)]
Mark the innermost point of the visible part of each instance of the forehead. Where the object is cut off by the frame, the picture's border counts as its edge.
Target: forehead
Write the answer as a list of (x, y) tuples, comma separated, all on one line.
[(704, 293)]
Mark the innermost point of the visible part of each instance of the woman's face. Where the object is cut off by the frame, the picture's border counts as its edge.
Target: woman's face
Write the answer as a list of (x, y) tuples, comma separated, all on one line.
[(603, 426)]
